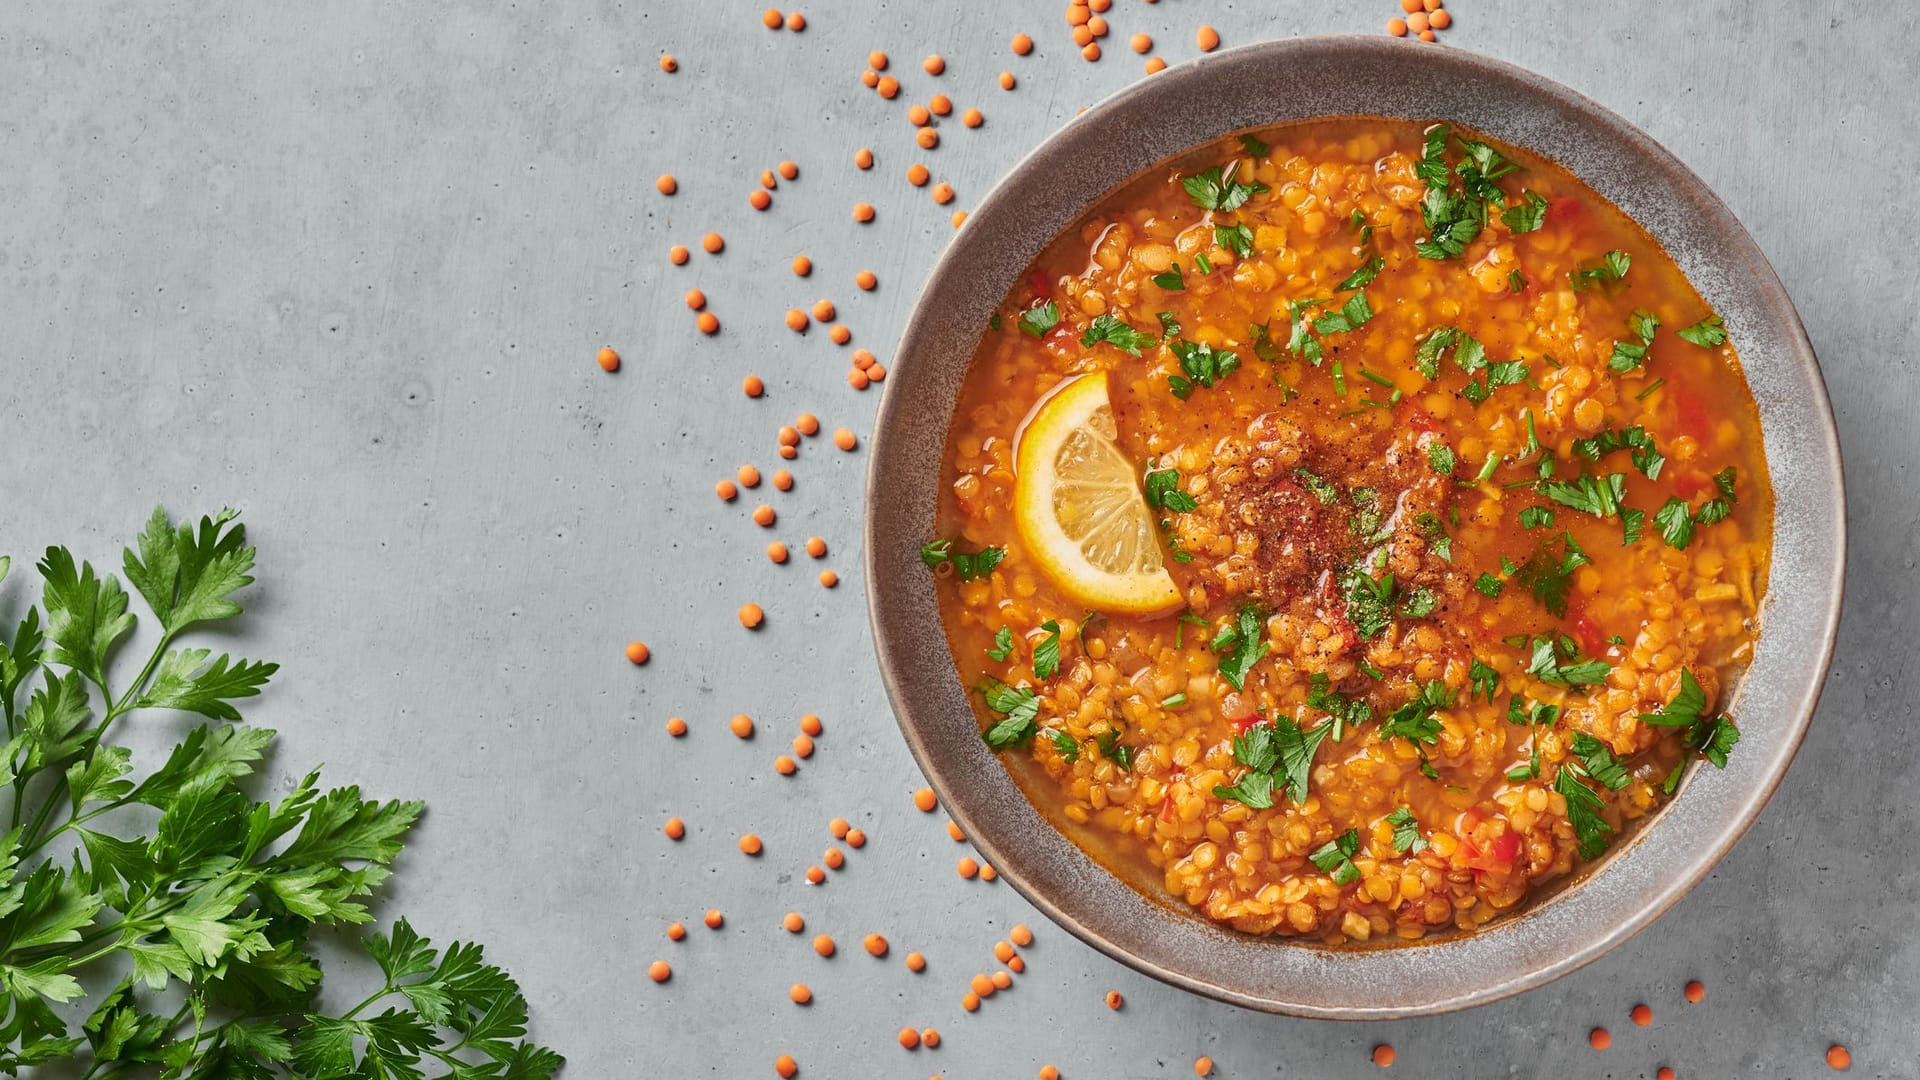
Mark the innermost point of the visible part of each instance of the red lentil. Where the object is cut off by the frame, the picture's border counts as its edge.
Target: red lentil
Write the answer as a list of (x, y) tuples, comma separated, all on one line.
[(607, 359), (802, 266), (926, 138), (751, 615), (888, 86), (668, 64), (638, 653), (1155, 65), (839, 828), (815, 875), (929, 1038), (834, 858), (811, 725), (972, 118), (856, 838), (714, 919), (796, 22), (793, 922), (1020, 935), (666, 185), (1417, 22), (875, 945), (1022, 44), (1091, 52), (970, 1002), (1003, 951), (708, 323), (1203, 1066), (748, 476), (678, 255), (753, 386), (726, 490), (877, 60), (1114, 1000), (863, 158), (741, 725), (1665, 1073), (953, 831), (767, 181), (1599, 1038), (909, 1038), (659, 972), (763, 516), (750, 845), (777, 552), (759, 200), (1440, 19), (866, 281), (1695, 991), (1048, 1072), (800, 994), (788, 170), (857, 379), (771, 19), (829, 579), (713, 243), (823, 945), (676, 727), (1397, 27), (845, 439), (934, 65), (924, 800), (796, 320), (802, 746), (870, 79), (941, 104), (784, 1066), (968, 867), (1098, 26), (982, 985), (783, 480), (1007, 81), (1017, 965), (1208, 39), (785, 765), (917, 175), (675, 828), (916, 962), (1839, 1057), (1642, 1015), (1383, 1056), (1002, 980), (987, 872), (863, 212), (816, 547), (918, 116), (676, 931)]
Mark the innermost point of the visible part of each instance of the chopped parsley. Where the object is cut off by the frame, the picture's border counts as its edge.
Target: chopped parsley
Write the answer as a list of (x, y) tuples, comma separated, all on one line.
[(1116, 332), (1173, 701), (1488, 586), (1335, 857), (1584, 806), (1369, 602), (966, 566), (1002, 644), (1711, 736), (1535, 715), (1675, 521), (1516, 281), (1646, 457), (1343, 710), (1352, 314), (1632, 525), (1065, 745), (1170, 279), (1321, 489), (1556, 660), (1406, 831), (1597, 495), (1605, 270), (1113, 750), (1503, 373), (1278, 756), (1235, 238), (1169, 326), (1046, 655), (1485, 680), (1415, 720), (1435, 533), (1526, 215), (1706, 333), (1244, 640), (1163, 492), (1365, 274), (1419, 603), (1204, 365), (1597, 761), (1216, 189), (1536, 517), (1253, 146), (1018, 707), (1440, 457), (1038, 320)]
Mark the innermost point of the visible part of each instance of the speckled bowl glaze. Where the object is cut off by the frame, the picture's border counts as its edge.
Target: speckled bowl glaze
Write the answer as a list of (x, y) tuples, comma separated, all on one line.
[(1269, 83)]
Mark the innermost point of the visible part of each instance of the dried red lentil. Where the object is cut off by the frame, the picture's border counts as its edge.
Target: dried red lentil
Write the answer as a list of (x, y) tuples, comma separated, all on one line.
[(875, 945), (638, 653), (793, 922), (676, 931), (607, 359), (676, 727), (675, 828), (659, 972), (714, 919)]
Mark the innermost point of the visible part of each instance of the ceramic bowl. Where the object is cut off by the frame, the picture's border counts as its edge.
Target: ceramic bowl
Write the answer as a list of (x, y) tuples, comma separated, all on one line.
[(1157, 119)]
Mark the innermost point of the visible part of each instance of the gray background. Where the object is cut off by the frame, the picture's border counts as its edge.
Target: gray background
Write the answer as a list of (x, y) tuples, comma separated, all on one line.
[(345, 267)]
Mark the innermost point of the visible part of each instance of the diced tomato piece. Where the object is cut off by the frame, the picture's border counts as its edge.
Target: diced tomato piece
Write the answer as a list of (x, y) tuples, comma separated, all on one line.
[(1497, 857), (1058, 334), (1691, 413), (1471, 819), (1166, 807), (1593, 640), (1040, 283), (1691, 485)]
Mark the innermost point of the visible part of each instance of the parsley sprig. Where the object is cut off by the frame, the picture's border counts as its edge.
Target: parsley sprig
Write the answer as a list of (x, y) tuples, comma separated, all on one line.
[(211, 911), (966, 565), (1279, 757)]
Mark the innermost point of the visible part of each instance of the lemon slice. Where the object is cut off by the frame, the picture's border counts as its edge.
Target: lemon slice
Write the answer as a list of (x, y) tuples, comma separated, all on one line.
[(1078, 506)]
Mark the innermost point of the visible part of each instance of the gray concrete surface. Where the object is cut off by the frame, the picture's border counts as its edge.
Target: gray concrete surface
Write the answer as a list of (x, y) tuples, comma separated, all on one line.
[(345, 265)]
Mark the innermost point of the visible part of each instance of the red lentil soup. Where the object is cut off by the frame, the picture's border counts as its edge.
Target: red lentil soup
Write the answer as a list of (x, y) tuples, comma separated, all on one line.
[(1350, 530)]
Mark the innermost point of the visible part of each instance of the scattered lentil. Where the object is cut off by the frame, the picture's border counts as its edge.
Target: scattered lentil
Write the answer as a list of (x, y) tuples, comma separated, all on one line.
[(785, 765), (1599, 1038), (800, 994), (934, 65), (834, 858), (863, 158), (1203, 1066), (909, 1038), (1020, 935), (751, 615), (678, 255), (926, 138), (1022, 44), (856, 838), (675, 828), (967, 867), (839, 828), (1642, 1015), (666, 185), (708, 323), (796, 22), (659, 972), (875, 945), (823, 945), (784, 1066), (845, 439), (638, 653), (676, 931), (793, 922), (713, 243), (1695, 991), (970, 1002), (916, 962), (1208, 39), (668, 64), (750, 845), (777, 552), (810, 724), (741, 725), (1839, 1057), (802, 746), (1007, 81), (676, 727), (863, 212), (888, 86), (1114, 1000), (759, 200), (753, 386), (714, 919), (607, 359), (917, 175), (828, 579), (783, 480), (972, 118), (1383, 1056)]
